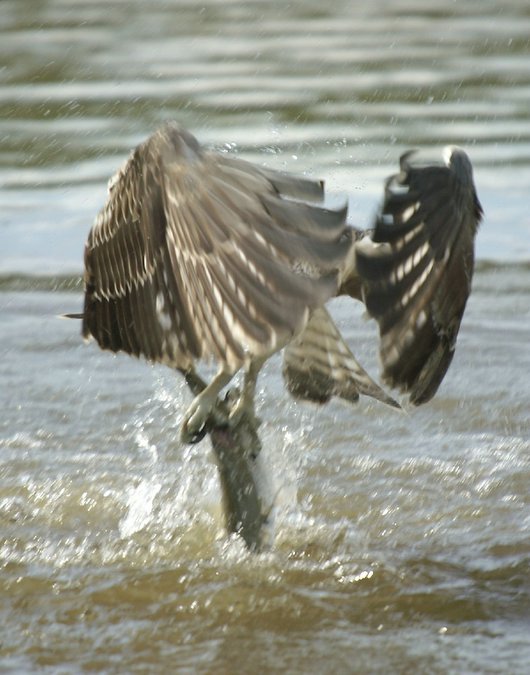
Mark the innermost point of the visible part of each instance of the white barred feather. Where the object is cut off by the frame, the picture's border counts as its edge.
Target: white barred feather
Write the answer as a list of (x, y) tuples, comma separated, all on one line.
[(198, 255)]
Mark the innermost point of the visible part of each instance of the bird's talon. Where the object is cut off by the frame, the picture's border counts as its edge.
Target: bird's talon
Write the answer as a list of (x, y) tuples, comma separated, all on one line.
[(195, 424), (235, 416), (232, 396), (238, 411), (242, 410), (192, 436)]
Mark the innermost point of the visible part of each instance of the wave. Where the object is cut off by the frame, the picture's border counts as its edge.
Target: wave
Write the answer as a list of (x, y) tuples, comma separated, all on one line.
[(52, 282)]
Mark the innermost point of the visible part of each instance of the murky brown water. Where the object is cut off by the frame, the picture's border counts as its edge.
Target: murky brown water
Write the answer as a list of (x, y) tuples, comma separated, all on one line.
[(401, 540)]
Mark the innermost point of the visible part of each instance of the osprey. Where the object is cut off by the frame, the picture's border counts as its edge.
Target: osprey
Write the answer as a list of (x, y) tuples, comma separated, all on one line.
[(199, 255)]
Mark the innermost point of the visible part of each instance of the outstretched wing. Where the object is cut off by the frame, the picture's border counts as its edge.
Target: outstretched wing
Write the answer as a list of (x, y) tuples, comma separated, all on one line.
[(318, 364), (199, 255), (416, 269)]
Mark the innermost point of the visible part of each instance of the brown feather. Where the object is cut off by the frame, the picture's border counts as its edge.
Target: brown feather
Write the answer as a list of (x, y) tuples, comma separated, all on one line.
[(416, 269), (193, 257)]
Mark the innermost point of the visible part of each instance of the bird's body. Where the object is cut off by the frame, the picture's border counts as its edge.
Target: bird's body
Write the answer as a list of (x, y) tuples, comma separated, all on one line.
[(200, 255)]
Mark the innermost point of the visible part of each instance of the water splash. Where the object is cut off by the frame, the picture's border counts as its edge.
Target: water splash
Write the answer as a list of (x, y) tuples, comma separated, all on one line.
[(140, 500)]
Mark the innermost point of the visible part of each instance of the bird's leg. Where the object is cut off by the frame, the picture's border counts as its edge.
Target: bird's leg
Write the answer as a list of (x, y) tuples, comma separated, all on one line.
[(245, 402), (202, 406)]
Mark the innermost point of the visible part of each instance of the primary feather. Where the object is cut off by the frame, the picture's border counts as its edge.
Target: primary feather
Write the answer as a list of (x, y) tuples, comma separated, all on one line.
[(417, 267)]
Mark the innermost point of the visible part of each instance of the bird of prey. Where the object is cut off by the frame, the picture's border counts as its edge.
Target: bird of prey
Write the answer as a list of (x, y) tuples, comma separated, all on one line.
[(201, 256)]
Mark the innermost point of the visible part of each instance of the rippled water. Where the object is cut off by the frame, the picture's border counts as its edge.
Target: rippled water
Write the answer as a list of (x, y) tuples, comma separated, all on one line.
[(401, 539)]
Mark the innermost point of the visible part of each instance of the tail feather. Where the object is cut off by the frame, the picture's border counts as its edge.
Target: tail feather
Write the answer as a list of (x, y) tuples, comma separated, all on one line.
[(319, 365)]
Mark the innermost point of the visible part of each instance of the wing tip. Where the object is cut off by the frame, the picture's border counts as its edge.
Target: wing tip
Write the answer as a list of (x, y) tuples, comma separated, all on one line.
[(416, 268)]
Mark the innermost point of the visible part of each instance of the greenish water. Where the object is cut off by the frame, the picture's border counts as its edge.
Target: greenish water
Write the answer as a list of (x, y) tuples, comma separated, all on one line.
[(401, 539)]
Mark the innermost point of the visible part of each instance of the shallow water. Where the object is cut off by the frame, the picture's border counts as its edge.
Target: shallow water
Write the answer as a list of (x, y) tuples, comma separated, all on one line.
[(401, 539)]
